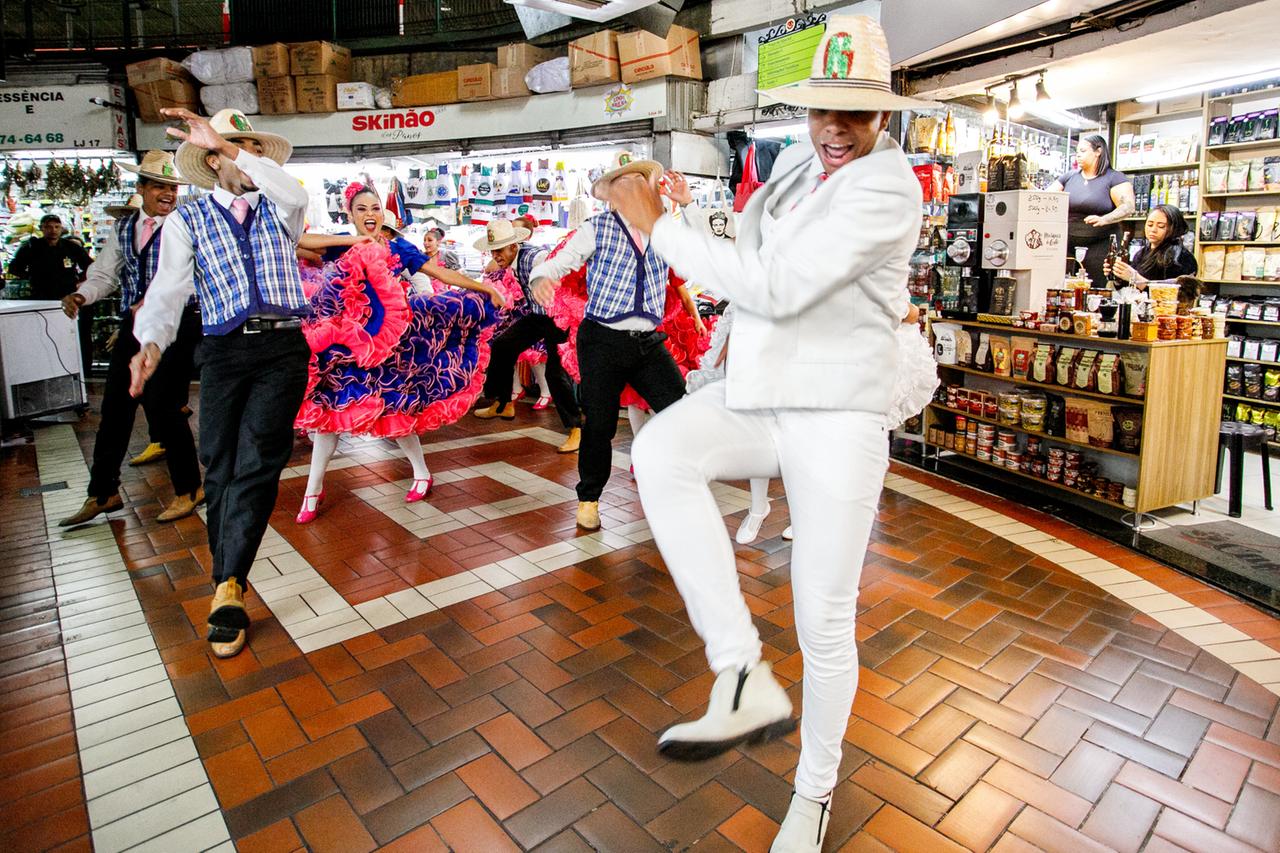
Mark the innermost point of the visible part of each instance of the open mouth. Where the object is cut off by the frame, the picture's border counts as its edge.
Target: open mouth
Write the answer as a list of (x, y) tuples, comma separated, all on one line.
[(836, 154), (370, 225)]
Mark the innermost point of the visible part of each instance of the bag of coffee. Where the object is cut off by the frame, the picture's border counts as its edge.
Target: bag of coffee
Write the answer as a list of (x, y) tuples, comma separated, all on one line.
[(944, 342), (1066, 360), (964, 348), (1101, 424), (1253, 381), (1227, 225), (1128, 429), (1218, 174), (982, 355), (1041, 369), (1235, 380), (1055, 415), (1246, 222), (1110, 379), (1271, 385), (1001, 359), (1083, 376), (1077, 420), (1135, 373), (1209, 225), (1022, 349)]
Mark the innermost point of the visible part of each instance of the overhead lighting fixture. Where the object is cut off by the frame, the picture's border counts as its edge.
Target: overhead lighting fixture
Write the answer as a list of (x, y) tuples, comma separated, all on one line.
[(1211, 84), (1042, 94), (991, 114), (781, 130), (1059, 116), (1016, 109)]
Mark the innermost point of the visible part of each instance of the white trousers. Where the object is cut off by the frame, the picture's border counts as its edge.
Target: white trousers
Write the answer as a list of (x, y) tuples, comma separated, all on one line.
[(832, 465)]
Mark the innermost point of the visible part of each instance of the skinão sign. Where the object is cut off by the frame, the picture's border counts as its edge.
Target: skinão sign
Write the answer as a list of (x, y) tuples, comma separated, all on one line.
[(589, 107), (44, 117)]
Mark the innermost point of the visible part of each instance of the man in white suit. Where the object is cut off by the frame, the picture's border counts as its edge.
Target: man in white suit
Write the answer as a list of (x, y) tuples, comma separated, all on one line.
[(818, 275)]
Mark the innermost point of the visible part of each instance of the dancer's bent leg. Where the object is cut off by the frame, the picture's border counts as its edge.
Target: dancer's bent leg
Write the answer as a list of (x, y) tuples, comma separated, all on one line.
[(411, 446), (323, 446)]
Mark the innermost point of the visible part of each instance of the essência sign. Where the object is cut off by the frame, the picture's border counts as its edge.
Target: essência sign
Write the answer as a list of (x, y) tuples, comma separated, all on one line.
[(39, 117)]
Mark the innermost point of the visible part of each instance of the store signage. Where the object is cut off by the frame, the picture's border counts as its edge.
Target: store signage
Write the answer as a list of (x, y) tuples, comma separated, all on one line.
[(786, 51), (44, 117), (579, 108)]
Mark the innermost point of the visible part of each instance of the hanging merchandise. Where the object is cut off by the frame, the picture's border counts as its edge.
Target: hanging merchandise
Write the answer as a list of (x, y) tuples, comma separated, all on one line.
[(526, 183), (559, 184), (498, 193), (750, 181), (580, 208), (515, 195), (482, 202), (542, 181), (417, 189), (446, 195)]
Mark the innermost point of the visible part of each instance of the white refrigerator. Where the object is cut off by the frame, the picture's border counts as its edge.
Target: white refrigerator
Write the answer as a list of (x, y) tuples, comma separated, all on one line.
[(39, 359)]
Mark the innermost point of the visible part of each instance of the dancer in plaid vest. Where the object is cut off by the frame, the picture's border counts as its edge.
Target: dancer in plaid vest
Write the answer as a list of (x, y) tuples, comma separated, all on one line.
[(618, 341), (128, 261), (236, 247)]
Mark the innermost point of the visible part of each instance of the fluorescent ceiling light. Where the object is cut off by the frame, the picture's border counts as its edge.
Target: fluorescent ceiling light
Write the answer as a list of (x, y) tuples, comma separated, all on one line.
[(1059, 116), (781, 130), (1211, 84)]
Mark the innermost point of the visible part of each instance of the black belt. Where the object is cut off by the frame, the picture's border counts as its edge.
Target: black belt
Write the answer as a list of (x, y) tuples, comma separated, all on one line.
[(258, 325)]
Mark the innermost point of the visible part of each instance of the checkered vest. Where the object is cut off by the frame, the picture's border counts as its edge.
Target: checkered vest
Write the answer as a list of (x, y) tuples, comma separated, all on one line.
[(223, 277), (621, 282), (526, 260), (139, 267)]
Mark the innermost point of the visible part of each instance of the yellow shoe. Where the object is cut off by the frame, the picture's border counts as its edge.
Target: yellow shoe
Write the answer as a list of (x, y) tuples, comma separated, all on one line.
[(182, 506), (153, 452), (508, 412), (92, 509), (571, 443), (227, 609), (227, 649), (589, 515), (488, 412)]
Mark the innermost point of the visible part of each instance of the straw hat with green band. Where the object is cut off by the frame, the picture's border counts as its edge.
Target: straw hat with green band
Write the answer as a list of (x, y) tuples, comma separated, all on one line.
[(156, 166), (625, 163), (231, 124), (850, 72)]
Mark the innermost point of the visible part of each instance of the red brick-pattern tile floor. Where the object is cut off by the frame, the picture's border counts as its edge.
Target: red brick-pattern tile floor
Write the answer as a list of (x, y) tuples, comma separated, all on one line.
[(1004, 703)]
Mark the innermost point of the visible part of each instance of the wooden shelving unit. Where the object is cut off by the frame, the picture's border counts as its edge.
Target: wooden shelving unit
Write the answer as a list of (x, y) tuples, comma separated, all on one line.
[(1177, 459)]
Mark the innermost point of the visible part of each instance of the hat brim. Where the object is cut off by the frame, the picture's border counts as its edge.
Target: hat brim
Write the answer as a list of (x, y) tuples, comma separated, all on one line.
[(651, 169), (191, 163), (519, 235), (171, 180), (845, 98), (119, 211)]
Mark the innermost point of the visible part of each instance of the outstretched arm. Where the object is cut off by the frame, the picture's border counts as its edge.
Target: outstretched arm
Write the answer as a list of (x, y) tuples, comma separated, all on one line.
[(457, 279)]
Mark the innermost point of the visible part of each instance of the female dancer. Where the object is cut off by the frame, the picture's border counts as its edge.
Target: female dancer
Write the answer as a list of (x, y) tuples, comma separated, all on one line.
[(384, 362)]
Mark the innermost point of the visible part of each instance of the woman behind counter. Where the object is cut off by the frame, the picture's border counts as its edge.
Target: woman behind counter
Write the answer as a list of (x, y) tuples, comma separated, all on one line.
[(1100, 197), (1163, 258)]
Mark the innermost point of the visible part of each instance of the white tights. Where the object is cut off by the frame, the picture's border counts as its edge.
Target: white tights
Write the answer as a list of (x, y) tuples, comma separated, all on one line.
[(323, 445), (833, 465), (539, 376)]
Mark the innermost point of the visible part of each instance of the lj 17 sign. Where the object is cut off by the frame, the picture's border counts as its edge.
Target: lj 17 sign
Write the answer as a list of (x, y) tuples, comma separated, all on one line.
[(44, 117)]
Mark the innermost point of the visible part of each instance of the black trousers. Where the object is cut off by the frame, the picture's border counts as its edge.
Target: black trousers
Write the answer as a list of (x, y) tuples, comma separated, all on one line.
[(251, 387), (84, 328), (162, 400), (505, 351), (610, 360)]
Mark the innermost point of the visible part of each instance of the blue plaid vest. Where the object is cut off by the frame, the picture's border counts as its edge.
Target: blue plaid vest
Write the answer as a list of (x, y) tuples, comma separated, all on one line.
[(138, 268), (526, 260), (621, 282), (241, 274)]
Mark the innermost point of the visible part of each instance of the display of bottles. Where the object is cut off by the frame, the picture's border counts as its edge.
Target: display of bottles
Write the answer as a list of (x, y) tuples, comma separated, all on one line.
[(1113, 254), (947, 142)]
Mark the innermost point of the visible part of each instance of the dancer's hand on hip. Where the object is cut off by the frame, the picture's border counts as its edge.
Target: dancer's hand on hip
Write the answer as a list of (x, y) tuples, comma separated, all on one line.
[(142, 367)]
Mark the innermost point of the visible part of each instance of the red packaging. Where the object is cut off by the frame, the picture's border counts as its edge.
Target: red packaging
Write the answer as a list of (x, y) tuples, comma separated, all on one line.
[(924, 174)]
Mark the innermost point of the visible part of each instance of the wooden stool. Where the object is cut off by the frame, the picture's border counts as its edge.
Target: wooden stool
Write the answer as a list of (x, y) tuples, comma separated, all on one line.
[(1238, 437)]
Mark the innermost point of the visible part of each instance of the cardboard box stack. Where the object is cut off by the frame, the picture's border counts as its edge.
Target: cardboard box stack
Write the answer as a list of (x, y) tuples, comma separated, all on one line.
[(271, 69), (318, 67), (475, 82), (514, 62), (593, 59), (159, 83), (643, 56), (425, 90)]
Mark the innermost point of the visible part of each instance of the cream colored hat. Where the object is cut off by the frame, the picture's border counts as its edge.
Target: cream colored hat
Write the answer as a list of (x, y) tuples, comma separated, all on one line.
[(626, 163), (231, 124), (850, 71), (156, 166), (501, 233), (118, 211)]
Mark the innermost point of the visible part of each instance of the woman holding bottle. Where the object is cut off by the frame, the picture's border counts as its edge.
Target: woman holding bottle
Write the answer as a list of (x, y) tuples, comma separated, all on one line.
[(1100, 198)]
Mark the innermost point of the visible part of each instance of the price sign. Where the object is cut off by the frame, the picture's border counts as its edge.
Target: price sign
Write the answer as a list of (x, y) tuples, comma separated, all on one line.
[(42, 117), (786, 51)]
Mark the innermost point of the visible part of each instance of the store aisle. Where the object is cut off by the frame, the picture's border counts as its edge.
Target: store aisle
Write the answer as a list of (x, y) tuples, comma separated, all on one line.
[(475, 672)]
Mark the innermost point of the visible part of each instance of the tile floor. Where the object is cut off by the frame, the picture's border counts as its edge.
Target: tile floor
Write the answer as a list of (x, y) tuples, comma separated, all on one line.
[(472, 674)]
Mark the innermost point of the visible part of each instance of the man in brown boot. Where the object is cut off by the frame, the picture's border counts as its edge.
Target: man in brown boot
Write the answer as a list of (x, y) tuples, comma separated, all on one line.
[(127, 262)]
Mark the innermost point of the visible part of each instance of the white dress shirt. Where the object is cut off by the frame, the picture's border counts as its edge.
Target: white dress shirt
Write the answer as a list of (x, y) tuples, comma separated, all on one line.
[(103, 276), (174, 282), (575, 253)]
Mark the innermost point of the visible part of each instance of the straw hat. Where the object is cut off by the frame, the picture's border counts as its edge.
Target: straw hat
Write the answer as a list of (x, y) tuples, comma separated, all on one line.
[(119, 211), (156, 166), (626, 163), (501, 233), (850, 71), (231, 124)]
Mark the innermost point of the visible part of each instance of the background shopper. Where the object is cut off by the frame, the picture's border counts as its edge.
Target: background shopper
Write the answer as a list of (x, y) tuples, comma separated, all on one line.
[(1100, 197), (1164, 257)]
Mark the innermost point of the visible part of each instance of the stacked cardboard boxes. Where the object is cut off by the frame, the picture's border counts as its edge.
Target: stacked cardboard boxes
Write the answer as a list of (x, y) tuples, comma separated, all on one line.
[(593, 59), (514, 62), (275, 84), (425, 90), (301, 77), (643, 56), (160, 83)]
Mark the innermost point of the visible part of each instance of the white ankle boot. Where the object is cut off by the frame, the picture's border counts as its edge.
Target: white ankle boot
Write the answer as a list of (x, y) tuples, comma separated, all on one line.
[(746, 706), (804, 827)]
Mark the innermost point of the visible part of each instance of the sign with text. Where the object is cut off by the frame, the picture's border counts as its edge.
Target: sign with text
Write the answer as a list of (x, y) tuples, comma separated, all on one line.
[(590, 107), (44, 117), (786, 51)]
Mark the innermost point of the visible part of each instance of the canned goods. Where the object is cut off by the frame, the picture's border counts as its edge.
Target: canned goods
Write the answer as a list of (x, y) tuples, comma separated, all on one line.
[(961, 422), (990, 406)]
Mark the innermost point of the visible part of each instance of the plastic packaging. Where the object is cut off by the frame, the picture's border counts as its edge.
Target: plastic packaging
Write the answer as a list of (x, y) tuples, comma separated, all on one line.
[(235, 96), (549, 76), (221, 67)]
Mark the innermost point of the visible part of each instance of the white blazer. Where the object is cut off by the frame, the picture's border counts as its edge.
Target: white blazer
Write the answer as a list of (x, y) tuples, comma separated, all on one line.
[(820, 297)]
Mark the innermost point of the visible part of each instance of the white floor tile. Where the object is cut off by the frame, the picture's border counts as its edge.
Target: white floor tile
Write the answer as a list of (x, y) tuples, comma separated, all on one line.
[(139, 767), (157, 820)]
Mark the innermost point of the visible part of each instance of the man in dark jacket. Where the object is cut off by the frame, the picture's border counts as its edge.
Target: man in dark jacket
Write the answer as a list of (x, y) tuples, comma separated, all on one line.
[(54, 264)]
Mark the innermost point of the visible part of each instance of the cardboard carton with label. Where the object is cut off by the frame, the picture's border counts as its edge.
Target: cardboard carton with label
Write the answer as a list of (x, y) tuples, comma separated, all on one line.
[(271, 60), (317, 93), (276, 96), (311, 58), (593, 59), (425, 90), (475, 82), (643, 56)]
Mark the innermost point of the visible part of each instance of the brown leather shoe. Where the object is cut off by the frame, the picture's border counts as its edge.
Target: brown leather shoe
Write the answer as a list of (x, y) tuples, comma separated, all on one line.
[(92, 509), (182, 506), (488, 412), (571, 443), (589, 515), (153, 452), (227, 608), (229, 649)]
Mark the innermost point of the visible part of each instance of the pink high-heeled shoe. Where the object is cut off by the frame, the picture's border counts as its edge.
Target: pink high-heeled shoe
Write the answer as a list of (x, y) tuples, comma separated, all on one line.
[(310, 508), (543, 402), (419, 490)]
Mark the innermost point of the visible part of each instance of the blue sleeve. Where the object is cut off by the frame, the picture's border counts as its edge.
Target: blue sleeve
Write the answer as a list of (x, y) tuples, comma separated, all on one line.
[(332, 253), (411, 257)]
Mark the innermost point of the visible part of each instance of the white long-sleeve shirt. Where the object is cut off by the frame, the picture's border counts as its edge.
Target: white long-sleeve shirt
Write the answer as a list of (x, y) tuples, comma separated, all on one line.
[(103, 276), (174, 282), (575, 253)]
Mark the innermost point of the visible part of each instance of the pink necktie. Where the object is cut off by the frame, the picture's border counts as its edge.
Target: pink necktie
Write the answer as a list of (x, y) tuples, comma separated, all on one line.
[(240, 209), (148, 228)]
